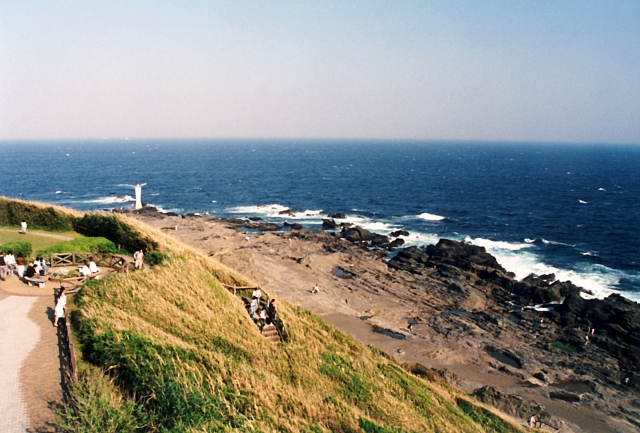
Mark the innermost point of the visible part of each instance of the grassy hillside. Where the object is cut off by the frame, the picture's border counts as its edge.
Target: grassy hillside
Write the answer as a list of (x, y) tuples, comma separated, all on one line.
[(172, 350)]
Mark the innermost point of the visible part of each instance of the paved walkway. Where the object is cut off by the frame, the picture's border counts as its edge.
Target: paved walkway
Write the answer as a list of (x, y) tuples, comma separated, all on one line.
[(30, 378)]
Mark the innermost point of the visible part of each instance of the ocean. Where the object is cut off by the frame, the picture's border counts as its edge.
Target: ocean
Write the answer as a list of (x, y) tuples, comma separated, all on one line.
[(568, 209)]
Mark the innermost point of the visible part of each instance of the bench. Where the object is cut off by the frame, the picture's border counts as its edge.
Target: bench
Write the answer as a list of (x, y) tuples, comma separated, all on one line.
[(35, 281)]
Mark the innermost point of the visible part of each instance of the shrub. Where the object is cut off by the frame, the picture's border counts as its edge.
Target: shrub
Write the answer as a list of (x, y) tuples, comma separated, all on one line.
[(154, 258), (17, 247), (99, 407), (12, 212), (120, 233), (81, 245)]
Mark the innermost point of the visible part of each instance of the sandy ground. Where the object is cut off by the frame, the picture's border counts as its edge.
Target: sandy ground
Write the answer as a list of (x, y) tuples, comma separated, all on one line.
[(359, 293)]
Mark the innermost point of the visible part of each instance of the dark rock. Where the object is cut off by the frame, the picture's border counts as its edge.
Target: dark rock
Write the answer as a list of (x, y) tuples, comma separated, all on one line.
[(328, 224), (396, 243), (294, 226), (255, 219), (460, 254), (513, 405), (287, 212), (338, 216), (397, 233), (411, 259), (358, 234)]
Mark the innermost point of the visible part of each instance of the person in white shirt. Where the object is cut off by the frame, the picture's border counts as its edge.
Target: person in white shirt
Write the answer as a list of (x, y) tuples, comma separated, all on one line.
[(61, 307), (23, 227), (10, 260), (85, 271), (138, 256), (93, 267)]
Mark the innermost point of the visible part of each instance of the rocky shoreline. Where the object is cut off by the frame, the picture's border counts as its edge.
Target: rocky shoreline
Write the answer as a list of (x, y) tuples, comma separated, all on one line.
[(530, 346)]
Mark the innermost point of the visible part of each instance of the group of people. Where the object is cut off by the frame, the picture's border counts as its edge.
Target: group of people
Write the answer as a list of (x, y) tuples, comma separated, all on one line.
[(37, 268), (9, 264), (262, 316), (89, 268)]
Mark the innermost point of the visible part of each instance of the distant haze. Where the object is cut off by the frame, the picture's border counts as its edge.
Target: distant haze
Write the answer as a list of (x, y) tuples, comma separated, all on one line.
[(459, 70)]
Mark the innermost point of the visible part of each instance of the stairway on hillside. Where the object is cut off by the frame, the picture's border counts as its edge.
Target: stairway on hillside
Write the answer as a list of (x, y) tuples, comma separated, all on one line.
[(271, 333)]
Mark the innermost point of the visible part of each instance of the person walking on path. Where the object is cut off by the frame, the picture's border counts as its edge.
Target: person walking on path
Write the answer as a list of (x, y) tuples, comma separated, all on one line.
[(138, 256), (61, 307), (23, 227)]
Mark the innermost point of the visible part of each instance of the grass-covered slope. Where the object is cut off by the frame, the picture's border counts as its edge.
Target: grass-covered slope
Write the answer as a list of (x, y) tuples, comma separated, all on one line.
[(182, 355)]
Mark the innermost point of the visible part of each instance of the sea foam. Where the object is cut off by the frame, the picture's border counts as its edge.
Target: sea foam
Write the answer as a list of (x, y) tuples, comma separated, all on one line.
[(112, 199), (430, 217)]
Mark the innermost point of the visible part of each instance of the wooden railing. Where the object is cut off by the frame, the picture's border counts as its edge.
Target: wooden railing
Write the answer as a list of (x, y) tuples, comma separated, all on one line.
[(113, 261), (264, 303)]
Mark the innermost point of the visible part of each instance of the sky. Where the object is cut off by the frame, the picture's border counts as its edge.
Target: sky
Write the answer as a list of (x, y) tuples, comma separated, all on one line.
[(551, 71)]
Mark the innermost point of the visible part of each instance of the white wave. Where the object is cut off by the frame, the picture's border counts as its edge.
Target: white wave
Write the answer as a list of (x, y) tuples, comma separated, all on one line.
[(420, 239), (582, 201), (58, 192), (261, 209), (529, 241), (430, 217), (601, 189), (214, 201), (273, 211), (588, 253), (309, 212), (557, 243), (126, 185), (496, 245), (112, 199), (598, 279)]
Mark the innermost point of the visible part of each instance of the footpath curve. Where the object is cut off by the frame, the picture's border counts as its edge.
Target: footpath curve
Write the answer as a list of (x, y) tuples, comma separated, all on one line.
[(31, 379)]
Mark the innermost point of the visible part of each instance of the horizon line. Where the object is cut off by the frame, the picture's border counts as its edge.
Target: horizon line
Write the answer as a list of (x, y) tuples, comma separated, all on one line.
[(313, 139)]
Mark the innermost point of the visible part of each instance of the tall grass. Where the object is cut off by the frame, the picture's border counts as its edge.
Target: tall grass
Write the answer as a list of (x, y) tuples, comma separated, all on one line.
[(186, 348)]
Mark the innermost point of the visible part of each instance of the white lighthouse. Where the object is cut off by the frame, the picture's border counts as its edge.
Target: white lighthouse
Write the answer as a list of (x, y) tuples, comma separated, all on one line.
[(138, 190)]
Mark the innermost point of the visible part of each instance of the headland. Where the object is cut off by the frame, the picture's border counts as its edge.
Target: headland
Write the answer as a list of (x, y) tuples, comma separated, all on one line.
[(531, 346)]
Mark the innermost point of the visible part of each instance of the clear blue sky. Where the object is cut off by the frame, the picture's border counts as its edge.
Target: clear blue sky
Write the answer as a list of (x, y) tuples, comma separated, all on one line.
[(462, 70)]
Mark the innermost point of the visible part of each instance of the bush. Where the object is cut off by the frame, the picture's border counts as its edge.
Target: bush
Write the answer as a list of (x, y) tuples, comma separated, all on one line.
[(17, 247), (81, 245), (99, 408), (154, 258), (13, 212), (120, 233)]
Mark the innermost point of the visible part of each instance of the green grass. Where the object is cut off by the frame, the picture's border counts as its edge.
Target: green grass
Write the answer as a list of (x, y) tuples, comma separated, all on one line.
[(80, 245), (37, 239)]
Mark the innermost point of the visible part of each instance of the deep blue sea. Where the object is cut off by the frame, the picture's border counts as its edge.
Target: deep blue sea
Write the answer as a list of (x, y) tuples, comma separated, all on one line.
[(568, 209)]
